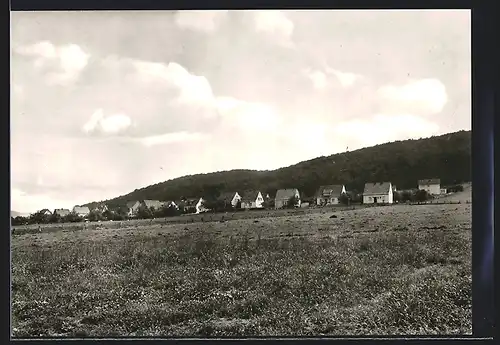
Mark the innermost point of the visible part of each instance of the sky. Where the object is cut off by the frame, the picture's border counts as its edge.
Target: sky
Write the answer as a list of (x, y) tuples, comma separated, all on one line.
[(105, 102)]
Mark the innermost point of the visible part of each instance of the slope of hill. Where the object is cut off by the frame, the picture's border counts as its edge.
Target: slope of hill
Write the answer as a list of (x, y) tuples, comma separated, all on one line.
[(402, 162)]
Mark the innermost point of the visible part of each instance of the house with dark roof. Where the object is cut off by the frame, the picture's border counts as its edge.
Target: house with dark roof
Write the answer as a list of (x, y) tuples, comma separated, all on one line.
[(187, 205), (133, 207), (230, 198), (101, 208), (62, 212), (45, 212), (431, 186), (329, 195), (283, 196), (252, 199), (378, 192), (82, 211)]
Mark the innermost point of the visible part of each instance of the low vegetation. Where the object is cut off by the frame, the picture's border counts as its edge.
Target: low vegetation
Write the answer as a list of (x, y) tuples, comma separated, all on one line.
[(379, 270)]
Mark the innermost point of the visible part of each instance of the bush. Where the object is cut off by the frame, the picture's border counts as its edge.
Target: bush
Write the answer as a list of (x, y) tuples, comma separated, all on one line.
[(344, 199)]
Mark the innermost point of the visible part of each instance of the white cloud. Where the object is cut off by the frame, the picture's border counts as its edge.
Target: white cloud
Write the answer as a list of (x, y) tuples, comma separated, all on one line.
[(193, 89), (384, 128), (204, 21), (70, 60), (318, 78), (170, 138), (276, 24), (346, 79), (112, 124), (248, 115), (425, 95)]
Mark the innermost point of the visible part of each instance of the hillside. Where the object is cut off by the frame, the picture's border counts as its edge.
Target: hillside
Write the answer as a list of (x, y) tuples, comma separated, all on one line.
[(401, 162)]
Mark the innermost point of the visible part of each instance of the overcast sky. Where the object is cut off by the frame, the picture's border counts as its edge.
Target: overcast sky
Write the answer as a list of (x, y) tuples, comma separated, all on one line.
[(106, 102)]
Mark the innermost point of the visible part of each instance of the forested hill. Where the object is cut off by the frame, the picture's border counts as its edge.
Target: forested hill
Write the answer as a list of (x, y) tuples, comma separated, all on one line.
[(402, 162)]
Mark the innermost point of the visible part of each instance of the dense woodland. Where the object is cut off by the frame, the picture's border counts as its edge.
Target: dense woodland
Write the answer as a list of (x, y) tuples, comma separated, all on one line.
[(403, 163)]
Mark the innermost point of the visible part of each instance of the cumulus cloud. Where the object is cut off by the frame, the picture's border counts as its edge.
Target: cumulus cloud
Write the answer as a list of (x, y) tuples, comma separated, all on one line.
[(318, 78), (67, 60), (276, 24), (345, 79), (383, 128), (425, 95), (111, 124), (204, 21)]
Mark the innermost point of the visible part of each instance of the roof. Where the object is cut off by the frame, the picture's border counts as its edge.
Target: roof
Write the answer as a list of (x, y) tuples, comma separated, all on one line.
[(430, 181), (330, 190), (153, 203), (131, 203), (250, 195), (62, 211), (81, 209), (286, 193), (377, 188), (227, 196)]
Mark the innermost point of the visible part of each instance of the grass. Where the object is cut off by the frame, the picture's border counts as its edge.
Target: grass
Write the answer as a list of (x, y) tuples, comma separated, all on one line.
[(402, 270)]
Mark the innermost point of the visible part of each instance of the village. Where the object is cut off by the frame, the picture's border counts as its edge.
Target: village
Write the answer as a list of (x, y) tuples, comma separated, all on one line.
[(380, 193)]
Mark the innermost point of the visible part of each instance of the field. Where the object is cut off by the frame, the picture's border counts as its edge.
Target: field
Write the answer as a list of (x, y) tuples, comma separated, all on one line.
[(402, 269)]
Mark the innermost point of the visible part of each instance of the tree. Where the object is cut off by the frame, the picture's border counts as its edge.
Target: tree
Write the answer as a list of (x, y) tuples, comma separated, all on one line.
[(422, 195), (344, 199), (95, 216), (144, 213), (292, 202), (55, 218)]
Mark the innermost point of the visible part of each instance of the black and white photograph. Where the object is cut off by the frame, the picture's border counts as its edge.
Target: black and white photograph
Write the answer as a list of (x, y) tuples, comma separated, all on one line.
[(240, 173)]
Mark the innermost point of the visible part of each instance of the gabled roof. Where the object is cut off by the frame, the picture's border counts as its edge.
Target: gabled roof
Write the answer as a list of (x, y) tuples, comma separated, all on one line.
[(131, 204), (250, 195), (330, 190), (227, 196), (62, 211), (153, 203), (81, 209), (45, 211), (377, 188), (429, 181), (286, 193)]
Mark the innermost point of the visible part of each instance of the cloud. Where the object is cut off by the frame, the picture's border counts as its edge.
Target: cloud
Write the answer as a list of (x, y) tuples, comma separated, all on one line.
[(193, 89), (276, 24), (203, 21), (425, 95), (248, 115), (318, 78), (21, 201), (170, 138), (346, 79), (383, 128), (65, 62), (17, 91), (111, 124)]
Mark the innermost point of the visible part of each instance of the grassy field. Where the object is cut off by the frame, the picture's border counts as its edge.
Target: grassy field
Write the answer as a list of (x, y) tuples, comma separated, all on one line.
[(402, 269)]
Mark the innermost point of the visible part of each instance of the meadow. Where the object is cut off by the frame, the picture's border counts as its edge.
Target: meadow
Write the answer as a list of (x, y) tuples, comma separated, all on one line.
[(402, 269)]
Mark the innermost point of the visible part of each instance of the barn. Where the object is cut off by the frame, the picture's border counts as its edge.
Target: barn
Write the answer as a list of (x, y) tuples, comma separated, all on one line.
[(378, 192)]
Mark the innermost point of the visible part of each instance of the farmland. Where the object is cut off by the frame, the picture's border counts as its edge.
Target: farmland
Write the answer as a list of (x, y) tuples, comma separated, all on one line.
[(402, 269)]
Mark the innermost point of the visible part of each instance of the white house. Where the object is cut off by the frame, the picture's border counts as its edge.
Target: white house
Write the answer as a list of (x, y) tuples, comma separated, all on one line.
[(284, 195), (379, 192), (200, 207), (82, 211), (431, 186), (230, 198), (329, 195), (252, 199)]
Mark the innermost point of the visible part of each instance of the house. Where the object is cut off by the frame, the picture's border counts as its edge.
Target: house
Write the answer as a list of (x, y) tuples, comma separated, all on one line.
[(431, 186), (283, 196), (45, 212), (152, 204), (82, 211), (101, 208), (187, 205), (62, 212), (200, 207), (443, 191), (170, 203), (378, 192), (230, 198), (133, 207), (329, 195), (252, 199)]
